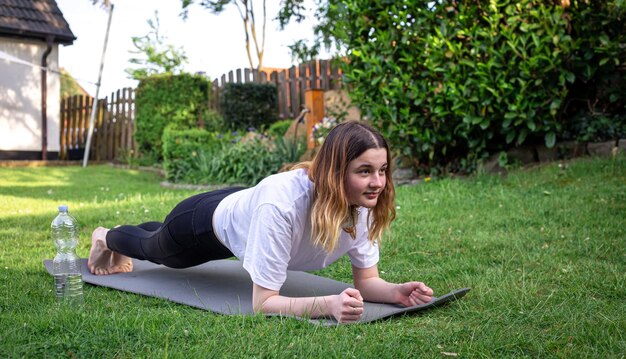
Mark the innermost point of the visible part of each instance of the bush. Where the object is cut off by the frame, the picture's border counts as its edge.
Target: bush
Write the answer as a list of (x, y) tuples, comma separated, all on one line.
[(181, 147), (449, 82), (244, 162), (248, 105), (212, 121), (279, 128), (199, 156), (247, 161), (288, 150), (176, 101), (596, 103), (595, 128)]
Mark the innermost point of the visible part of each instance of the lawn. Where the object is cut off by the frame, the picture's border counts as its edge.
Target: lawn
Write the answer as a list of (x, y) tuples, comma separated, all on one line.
[(543, 249)]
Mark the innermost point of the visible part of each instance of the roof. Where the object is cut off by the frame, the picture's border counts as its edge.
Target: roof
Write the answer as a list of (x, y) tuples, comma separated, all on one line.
[(34, 19)]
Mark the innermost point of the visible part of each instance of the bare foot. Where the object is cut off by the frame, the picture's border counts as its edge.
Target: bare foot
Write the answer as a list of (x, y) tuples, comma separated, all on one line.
[(121, 263), (102, 260)]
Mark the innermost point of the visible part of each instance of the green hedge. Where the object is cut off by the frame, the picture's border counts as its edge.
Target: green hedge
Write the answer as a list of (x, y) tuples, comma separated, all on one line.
[(177, 101), (450, 82), (248, 105)]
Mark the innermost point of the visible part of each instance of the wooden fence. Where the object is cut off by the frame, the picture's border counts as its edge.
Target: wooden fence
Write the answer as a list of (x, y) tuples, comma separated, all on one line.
[(291, 83), (113, 126)]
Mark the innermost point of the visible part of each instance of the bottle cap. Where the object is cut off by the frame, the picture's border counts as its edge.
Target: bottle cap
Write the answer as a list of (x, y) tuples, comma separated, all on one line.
[(63, 208)]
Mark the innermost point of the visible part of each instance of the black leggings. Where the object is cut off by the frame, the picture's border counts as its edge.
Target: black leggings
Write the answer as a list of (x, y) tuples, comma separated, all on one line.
[(184, 239)]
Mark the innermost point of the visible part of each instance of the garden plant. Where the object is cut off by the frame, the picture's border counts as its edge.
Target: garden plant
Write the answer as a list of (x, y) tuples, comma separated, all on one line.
[(452, 82)]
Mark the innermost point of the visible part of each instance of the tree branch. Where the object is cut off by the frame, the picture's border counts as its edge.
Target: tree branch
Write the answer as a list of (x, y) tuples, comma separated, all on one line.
[(246, 19), (259, 50)]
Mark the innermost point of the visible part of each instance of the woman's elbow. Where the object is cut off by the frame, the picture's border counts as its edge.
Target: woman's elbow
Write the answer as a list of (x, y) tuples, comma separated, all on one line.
[(261, 298)]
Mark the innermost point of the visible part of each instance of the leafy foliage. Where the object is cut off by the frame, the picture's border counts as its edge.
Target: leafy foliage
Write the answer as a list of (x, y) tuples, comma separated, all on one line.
[(327, 14), (175, 101), (279, 128), (450, 82), (245, 105), (584, 127), (199, 156), (595, 107), (182, 147), (246, 11), (156, 57), (211, 120), (69, 86), (447, 81), (244, 162)]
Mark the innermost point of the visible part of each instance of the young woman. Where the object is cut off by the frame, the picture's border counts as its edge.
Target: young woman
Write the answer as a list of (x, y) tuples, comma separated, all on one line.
[(304, 219)]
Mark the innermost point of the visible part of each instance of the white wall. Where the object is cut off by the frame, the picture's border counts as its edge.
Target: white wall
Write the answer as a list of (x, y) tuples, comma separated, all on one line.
[(20, 97)]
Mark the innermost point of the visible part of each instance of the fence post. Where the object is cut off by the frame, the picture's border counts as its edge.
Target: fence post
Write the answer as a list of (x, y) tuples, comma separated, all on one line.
[(314, 101)]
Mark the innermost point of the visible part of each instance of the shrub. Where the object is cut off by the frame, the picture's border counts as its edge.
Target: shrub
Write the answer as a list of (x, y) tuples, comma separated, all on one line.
[(199, 156), (279, 128), (248, 105), (288, 150), (181, 147), (169, 100), (596, 103), (212, 121), (449, 82), (244, 162), (595, 128)]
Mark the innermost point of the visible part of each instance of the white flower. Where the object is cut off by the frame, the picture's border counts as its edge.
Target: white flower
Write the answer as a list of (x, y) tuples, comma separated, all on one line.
[(322, 128)]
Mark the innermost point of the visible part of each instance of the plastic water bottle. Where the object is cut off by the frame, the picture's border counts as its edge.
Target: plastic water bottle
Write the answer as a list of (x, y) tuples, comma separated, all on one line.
[(66, 265)]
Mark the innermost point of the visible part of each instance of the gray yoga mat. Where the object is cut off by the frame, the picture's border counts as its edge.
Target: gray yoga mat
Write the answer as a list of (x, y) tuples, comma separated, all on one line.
[(223, 286)]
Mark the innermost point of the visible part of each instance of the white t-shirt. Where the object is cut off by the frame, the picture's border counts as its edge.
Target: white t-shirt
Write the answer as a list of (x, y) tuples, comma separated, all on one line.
[(268, 227)]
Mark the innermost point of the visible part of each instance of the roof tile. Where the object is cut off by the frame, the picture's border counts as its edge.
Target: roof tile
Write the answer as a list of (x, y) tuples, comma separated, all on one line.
[(34, 19)]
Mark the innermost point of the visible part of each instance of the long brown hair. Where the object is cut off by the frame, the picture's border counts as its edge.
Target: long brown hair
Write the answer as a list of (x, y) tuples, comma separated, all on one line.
[(331, 211)]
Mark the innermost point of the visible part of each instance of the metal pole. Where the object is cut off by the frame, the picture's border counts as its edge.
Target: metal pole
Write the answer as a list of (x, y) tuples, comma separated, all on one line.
[(95, 100)]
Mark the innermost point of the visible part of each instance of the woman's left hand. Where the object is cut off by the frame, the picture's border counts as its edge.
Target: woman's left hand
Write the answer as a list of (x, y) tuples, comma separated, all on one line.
[(413, 293)]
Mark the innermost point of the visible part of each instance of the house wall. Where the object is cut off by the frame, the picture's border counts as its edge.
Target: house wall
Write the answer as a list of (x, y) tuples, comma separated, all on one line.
[(20, 100)]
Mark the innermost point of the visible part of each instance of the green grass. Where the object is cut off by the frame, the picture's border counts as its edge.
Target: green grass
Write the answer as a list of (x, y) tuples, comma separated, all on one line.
[(544, 250)]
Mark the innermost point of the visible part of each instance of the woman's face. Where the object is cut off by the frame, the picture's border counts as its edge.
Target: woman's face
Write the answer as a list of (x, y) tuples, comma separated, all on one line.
[(366, 179)]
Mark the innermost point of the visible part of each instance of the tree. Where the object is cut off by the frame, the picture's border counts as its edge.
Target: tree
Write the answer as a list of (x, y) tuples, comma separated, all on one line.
[(103, 3), (69, 85), (158, 57), (247, 13), (327, 13)]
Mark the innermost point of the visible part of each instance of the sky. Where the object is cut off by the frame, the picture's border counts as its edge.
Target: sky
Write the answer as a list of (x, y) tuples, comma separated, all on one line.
[(214, 44)]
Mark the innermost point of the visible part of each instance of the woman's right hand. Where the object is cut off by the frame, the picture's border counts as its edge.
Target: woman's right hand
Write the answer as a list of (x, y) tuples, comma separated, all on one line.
[(348, 306)]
